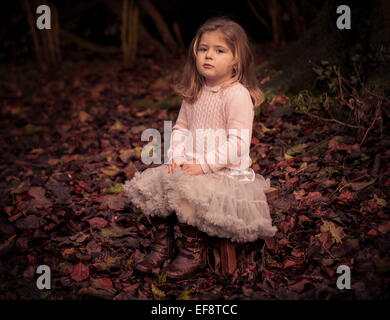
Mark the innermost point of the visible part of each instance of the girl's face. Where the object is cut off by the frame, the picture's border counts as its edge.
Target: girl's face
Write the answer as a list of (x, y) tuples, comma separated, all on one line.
[(214, 59)]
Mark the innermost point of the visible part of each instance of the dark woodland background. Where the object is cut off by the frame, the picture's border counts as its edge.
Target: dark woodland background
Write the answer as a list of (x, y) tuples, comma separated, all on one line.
[(75, 99)]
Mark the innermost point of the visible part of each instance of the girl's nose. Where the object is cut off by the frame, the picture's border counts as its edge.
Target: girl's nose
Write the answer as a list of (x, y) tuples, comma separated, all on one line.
[(209, 54)]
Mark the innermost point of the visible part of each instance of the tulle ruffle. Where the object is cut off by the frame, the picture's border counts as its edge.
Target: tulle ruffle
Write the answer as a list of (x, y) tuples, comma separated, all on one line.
[(216, 203)]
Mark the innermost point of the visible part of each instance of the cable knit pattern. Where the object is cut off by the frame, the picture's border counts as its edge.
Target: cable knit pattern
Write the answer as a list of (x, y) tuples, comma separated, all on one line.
[(228, 200), (227, 109)]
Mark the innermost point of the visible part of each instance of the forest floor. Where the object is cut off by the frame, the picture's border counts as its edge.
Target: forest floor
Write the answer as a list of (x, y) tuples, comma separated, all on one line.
[(70, 139)]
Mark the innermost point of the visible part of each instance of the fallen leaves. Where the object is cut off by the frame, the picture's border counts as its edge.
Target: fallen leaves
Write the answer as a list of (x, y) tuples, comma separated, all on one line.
[(79, 237), (98, 222), (68, 252), (60, 191), (310, 198), (68, 184), (84, 117), (348, 247), (128, 154), (336, 144), (29, 222), (292, 263), (300, 194), (101, 288), (67, 159), (7, 246), (313, 197), (131, 288), (111, 171), (159, 293), (379, 201), (357, 186), (31, 129), (346, 197), (20, 188), (40, 201), (335, 231), (384, 227), (291, 152), (284, 226), (113, 202), (185, 295), (79, 272), (107, 262), (299, 286), (118, 188), (270, 243), (117, 126), (105, 282)]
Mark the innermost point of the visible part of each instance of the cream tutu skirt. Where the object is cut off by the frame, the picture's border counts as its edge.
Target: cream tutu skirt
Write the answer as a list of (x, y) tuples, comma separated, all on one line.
[(218, 204)]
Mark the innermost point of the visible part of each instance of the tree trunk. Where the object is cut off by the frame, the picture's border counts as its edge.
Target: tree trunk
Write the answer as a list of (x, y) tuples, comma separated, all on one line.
[(129, 32), (275, 18), (147, 43), (160, 24), (46, 42), (298, 18)]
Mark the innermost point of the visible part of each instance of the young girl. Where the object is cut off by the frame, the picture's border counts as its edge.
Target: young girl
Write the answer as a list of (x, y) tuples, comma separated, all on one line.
[(211, 188)]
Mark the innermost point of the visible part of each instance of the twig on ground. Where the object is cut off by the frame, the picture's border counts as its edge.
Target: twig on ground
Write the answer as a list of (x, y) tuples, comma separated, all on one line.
[(373, 121)]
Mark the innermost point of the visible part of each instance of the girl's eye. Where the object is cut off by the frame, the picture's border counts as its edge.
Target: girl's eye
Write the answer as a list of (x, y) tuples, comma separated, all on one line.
[(220, 51), (202, 49)]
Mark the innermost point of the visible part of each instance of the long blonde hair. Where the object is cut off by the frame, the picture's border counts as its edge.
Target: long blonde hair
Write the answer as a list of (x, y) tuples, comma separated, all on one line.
[(191, 81)]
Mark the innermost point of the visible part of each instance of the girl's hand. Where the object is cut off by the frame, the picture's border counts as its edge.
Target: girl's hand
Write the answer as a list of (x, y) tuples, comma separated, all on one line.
[(193, 169), (173, 166)]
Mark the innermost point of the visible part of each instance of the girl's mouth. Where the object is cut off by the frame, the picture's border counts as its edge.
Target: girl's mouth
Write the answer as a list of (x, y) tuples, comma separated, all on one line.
[(207, 66)]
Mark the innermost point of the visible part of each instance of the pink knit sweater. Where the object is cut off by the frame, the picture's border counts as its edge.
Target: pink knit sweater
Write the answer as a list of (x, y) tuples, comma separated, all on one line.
[(216, 130)]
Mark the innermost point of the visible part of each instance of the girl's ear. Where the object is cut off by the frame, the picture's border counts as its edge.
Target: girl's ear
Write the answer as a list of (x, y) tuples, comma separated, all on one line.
[(235, 65)]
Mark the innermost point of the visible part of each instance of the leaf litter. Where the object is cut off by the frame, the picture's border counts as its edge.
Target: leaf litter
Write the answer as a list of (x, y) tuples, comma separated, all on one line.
[(62, 196)]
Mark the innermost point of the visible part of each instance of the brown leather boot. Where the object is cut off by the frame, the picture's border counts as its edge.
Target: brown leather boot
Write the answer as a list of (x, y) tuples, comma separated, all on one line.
[(163, 247), (192, 254)]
